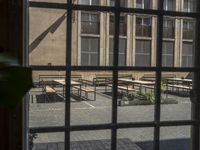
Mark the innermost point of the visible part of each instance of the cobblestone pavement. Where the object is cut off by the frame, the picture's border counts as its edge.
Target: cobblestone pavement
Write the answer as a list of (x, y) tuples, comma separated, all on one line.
[(99, 111)]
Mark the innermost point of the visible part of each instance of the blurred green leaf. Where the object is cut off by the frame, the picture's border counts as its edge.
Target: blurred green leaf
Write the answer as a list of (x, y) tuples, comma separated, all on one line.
[(15, 81)]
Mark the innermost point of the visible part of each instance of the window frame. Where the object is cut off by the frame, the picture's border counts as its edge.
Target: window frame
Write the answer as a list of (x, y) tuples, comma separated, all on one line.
[(114, 125)]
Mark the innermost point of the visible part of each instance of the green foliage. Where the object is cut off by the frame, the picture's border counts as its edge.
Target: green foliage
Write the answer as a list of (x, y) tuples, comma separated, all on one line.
[(15, 81), (148, 96), (163, 87), (131, 95), (124, 98)]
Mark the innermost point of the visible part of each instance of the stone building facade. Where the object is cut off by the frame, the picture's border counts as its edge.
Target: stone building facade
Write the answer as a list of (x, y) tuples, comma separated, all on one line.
[(92, 35)]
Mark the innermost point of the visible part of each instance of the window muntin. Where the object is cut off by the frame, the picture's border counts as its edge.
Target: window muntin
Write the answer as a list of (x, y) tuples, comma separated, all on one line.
[(143, 53), (168, 54), (122, 51), (90, 23), (89, 2), (169, 5), (188, 29), (169, 28), (143, 26), (187, 54), (123, 25), (188, 5), (144, 4), (89, 51)]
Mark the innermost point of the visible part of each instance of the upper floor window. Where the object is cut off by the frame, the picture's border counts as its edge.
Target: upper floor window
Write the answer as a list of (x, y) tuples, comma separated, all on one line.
[(143, 26), (169, 5), (144, 4), (188, 5), (89, 2), (123, 3), (123, 25), (90, 23), (168, 28), (188, 28)]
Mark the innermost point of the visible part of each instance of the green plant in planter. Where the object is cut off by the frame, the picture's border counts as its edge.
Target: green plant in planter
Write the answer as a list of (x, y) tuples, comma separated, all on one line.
[(15, 81), (149, 97), (131, 95), (125, 98)]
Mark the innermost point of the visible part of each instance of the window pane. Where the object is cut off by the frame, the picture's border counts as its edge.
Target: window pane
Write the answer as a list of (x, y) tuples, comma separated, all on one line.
[(187, 54), (89, 2), (90, 23), (144, 4), (142, 53), (143, 26), (169, 5), (89, 56), (123, 25), (168, 28), (168, 54), (188, 29), (189, 6)]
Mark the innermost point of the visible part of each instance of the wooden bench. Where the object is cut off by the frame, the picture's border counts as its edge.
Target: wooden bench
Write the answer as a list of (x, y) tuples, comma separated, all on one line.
[(48, 79), (48, 92), (178, 87), (86, 90), (152, 76)]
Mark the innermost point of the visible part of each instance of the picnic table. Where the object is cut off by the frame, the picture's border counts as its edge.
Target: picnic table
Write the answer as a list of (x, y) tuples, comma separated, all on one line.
[(73, 84), (138, 83), (179, 83)]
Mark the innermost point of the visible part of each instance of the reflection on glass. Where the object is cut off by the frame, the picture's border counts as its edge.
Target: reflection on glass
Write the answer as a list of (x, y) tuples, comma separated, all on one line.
[(144, 4), (175, 138), (175, 91)]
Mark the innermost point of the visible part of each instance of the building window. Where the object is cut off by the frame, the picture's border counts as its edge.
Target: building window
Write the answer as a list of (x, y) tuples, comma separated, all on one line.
[(188, 28), (169, 5), (143, 53), (168, 28), (90, 23), (143, 26), (168, 54), (187, 54), (188, 5), (122, 51), (123, 25), (123, 3), (89, 51), (144, 4), (89, 2)]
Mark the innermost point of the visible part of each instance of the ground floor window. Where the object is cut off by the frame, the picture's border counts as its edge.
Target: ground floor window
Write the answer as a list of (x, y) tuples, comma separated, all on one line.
[(143, 53), (122, 51), (187, 52), (168, 54), (89, 51)]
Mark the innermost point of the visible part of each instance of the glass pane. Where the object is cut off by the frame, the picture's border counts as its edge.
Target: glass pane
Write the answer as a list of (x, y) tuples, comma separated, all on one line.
[(90, 102), (175, 138), (89, 2), (47, 36), (175, 96), (136, 96), (47, 101), (50, 141), (144, 4), (135, 139), (169, 5), (187, 54), (168, 28), (189, 5), (90, 140), (143, 53), (143, 26), (49, 1), (168, 54)]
